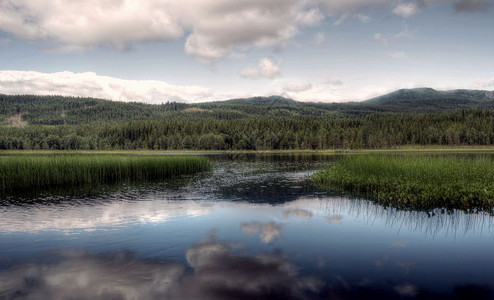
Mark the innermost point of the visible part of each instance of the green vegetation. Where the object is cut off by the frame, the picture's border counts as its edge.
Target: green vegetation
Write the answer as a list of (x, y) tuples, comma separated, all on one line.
[(405, 118), (25, 172), (464, 182)]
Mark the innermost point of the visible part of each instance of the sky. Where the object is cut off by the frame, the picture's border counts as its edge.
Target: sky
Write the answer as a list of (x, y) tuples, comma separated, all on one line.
[(192, 51)]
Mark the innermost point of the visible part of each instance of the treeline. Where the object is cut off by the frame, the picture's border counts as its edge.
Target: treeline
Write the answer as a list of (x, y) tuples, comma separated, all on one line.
[(463, 127)]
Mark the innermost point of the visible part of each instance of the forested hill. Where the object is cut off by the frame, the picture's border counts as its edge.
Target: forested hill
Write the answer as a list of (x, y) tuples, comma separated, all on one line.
[(430, 100), (264, 123), (58, 110)]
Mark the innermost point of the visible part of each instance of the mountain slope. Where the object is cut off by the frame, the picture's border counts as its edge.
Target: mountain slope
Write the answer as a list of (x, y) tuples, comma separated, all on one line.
[(57, 110), (430, 100)]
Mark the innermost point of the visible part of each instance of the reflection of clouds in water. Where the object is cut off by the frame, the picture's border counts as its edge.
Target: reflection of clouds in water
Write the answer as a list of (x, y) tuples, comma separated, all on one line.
[(85, 276), (406, 290), (268, 231), (399, 245), (217, 274), (90, 217), (297, 213), (336, 219), (433, 222)]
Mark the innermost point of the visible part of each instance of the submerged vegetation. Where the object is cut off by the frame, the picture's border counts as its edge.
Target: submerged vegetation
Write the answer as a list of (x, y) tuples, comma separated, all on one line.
[(416, 181), (19, 173)]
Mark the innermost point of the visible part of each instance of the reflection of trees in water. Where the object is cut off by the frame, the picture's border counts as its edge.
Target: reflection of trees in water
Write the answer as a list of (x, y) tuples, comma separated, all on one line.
[(432, 222)]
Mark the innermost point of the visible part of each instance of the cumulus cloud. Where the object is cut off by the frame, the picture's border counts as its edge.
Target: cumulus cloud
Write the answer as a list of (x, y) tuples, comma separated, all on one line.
[(268, 232), (266, 69), (93, 85), (211, 28), (296, 87), (406, 10)]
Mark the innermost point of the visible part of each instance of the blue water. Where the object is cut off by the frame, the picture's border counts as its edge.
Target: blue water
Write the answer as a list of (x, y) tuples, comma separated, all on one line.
[(256, 227)]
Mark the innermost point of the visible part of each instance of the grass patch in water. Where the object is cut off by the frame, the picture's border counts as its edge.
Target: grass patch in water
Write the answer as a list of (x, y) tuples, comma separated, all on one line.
[(415, 181), (19, 173)]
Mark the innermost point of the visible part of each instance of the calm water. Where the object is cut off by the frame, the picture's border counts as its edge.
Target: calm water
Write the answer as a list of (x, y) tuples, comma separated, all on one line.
[(254, 228)]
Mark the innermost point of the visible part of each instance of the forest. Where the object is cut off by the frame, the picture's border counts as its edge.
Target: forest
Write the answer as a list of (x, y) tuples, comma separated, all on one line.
[(261, 123)]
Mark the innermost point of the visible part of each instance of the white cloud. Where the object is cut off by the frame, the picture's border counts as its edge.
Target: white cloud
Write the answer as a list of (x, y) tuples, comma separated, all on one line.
[(363, 18), (380, 37), (484, 83), (212, 28), (319, 38), (297, 87), (398, 54), (266, 69), (90, 84), (406, 10)]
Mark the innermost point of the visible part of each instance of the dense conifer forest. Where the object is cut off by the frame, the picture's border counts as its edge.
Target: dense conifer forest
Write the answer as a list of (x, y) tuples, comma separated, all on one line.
[(405, 117)]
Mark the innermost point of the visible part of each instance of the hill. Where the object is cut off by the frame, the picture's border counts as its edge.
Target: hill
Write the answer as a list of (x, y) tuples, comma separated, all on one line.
[(22, 110), (430, 100)]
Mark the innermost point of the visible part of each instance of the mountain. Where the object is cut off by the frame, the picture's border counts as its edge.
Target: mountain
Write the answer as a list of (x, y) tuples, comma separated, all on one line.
[(431, 100), (20, 110)]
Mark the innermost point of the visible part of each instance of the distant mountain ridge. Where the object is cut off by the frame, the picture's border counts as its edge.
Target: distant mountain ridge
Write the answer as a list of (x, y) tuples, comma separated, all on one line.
[(431, 99), (58, 110)]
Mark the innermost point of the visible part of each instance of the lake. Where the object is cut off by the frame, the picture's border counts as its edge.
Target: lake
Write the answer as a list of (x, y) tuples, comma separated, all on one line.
[(256, 227)]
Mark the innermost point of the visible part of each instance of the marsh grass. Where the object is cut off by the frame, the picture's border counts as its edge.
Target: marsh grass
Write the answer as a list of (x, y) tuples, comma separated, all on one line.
[(416, 181), (20, 173)]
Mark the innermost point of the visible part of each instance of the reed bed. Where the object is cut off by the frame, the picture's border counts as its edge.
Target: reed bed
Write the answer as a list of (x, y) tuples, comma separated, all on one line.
[(22, 173), (416, 181)]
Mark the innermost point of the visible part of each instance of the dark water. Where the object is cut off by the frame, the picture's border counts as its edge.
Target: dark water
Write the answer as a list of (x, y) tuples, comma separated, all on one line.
[(254, 228)]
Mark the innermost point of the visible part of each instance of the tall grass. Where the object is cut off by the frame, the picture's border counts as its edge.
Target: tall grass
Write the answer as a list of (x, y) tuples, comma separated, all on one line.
[(36, 172), (416, 181)]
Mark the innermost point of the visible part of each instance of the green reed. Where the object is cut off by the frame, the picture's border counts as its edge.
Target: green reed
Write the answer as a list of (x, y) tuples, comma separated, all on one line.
[(18, 173), (416, 181)]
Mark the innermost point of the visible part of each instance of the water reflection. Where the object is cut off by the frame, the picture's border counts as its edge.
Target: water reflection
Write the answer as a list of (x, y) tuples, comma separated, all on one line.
[(158, 208), (217, 273), (213, 270), (275, 235)]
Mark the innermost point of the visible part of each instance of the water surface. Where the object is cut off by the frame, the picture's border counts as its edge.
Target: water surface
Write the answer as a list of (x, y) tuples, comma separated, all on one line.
[(254, 227)]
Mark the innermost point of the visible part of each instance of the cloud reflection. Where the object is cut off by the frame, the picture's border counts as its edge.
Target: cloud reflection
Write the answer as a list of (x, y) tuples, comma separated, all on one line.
[(267, 231), (297, 213), (218, 273), (90, 217)]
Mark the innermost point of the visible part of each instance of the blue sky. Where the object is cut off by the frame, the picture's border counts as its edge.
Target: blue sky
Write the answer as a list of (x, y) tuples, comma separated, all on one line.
[(202, 50)]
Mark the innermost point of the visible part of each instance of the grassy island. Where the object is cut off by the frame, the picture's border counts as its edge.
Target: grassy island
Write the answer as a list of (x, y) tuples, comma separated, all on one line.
[(464, 182), (26, 172)]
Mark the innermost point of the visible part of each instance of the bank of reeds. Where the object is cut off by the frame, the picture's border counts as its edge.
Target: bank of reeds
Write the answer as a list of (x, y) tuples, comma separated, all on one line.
[(416, 181), (22, 173)]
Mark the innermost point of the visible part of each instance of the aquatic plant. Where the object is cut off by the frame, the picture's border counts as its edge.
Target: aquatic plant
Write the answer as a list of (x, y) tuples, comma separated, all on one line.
[(36, 171), (415, 181)]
